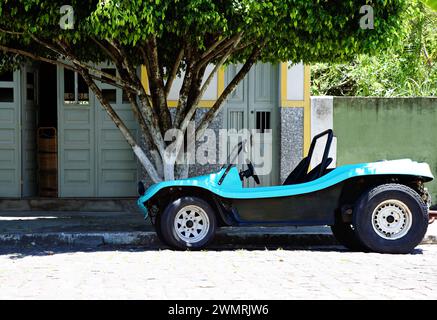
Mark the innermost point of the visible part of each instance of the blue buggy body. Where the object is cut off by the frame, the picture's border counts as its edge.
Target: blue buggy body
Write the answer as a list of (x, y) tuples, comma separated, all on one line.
[(232, 187), (386, 194)]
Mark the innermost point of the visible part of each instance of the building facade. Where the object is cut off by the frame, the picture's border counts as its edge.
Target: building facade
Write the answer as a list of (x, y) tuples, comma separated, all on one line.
[(57, 141)]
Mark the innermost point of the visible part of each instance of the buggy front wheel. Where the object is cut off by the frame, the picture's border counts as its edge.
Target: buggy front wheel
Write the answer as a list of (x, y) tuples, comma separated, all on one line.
[(188, 223)]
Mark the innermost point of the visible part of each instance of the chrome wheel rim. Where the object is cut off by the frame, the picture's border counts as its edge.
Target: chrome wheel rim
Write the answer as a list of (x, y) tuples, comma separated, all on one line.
[(392, 219), (191, 224)]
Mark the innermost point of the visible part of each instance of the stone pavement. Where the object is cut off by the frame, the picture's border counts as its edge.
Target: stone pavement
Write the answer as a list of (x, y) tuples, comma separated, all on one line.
[(319, 273)]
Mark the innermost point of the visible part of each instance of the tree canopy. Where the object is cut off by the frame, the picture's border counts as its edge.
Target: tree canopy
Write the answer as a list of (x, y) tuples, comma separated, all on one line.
[(406, 69), (183, 37)]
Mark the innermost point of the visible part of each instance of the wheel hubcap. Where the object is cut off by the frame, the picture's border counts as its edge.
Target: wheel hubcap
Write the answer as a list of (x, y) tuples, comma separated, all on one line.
[(191, 224), (392, 219)]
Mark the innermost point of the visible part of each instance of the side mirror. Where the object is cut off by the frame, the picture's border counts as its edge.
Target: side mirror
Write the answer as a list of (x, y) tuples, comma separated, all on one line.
[(141, 188)]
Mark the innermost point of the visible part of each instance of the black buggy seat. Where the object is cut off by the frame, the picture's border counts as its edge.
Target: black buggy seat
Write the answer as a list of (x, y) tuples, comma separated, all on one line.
[(300, 174)]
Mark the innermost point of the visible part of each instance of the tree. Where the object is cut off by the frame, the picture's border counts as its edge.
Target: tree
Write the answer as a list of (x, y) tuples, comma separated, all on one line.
[(169, 37), (432, 4), (408, 69)]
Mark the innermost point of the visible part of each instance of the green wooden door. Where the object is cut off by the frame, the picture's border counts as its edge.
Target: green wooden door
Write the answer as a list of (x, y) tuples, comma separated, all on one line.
[(76, 148), (94, 158), (10, 136), (116, 164), (254, 105)]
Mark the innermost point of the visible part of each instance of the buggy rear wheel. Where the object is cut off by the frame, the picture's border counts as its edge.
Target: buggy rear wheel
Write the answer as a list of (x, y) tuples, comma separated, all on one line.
[(390, 218)]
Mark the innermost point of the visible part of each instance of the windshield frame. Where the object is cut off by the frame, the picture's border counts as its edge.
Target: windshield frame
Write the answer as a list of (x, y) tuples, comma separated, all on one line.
[(231, 162)]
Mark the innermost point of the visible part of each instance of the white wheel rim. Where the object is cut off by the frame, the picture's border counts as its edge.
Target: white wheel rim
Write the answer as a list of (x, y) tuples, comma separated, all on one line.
[(392, 219), (191, 224)]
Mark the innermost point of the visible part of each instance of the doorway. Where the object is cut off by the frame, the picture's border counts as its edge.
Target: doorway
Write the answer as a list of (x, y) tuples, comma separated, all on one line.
[(94, 158), (38, 131), (254, 105), (47, 132)]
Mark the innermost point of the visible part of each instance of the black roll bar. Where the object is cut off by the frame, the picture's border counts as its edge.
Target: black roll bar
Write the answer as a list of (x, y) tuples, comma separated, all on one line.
[(330, 134)]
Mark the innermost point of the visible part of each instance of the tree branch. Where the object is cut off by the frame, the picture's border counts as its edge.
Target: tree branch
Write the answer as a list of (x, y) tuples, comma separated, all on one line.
[(190, 71), (193, 108), (215, 109), (213, 47), (15, 33), (427, 57), (36, 57), (104, 48), (60, 53), (67, 53), (173, 72), (156, 84), (124, 58), (214, 54)]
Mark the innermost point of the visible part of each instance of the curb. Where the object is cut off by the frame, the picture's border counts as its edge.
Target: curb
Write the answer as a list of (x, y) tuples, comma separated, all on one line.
[(149, 239)]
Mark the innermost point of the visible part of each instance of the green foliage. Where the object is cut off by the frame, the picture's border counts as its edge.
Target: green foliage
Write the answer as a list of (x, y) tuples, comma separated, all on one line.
[(409, 69), (432, 4), (292, 30)]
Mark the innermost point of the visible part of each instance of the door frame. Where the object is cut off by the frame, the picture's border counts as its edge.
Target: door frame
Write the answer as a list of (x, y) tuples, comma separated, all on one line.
[(249, 115), (23, 100)]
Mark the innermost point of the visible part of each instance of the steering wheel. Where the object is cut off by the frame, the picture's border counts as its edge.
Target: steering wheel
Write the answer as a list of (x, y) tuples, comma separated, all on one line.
[(252, 172)]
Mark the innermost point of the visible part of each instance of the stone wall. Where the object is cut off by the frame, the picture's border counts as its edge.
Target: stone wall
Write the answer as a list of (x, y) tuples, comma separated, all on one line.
[(291, 140)]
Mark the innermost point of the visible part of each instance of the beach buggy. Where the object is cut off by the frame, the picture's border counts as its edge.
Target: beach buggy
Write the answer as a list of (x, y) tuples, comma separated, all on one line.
[(380, 206)]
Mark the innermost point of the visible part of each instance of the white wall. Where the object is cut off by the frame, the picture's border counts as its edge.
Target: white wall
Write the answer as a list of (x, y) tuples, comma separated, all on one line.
[(210, 93), (295, 82), (322, 118)]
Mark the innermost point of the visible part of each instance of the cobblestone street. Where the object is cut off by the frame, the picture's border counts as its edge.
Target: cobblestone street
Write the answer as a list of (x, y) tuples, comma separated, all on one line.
[(331, 273)]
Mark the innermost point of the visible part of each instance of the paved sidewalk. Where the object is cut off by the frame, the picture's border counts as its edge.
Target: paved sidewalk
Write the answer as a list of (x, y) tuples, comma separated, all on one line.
[(33, 228)]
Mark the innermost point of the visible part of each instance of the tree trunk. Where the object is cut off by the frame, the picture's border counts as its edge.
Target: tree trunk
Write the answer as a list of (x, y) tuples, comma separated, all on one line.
[(212, 113)]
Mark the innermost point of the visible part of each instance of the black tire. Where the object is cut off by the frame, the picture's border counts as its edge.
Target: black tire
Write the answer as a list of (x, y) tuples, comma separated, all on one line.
[(159, 231), (174, 238), (398, 198), (345, 234)]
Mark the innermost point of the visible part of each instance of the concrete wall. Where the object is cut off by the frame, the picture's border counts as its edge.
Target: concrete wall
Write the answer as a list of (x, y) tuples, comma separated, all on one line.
[(369, 129), (322, 119)]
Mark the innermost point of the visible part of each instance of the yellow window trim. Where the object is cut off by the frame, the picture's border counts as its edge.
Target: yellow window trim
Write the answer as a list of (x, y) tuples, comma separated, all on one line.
[(285, 103)]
